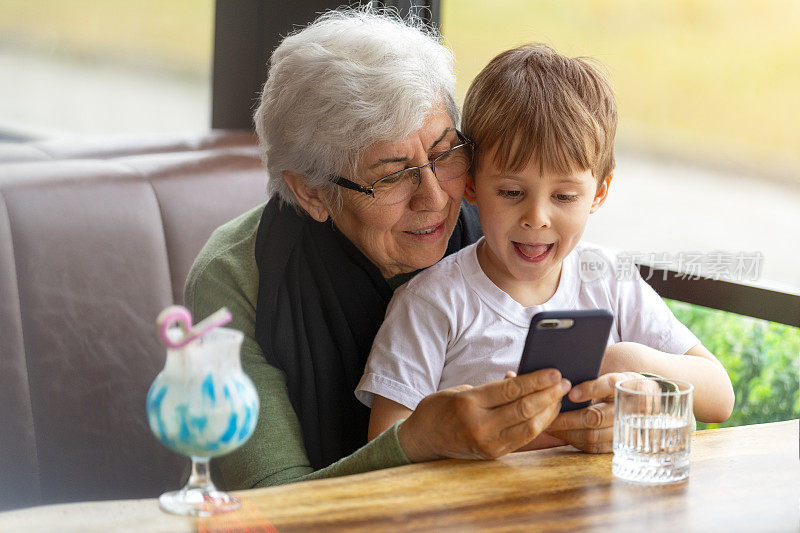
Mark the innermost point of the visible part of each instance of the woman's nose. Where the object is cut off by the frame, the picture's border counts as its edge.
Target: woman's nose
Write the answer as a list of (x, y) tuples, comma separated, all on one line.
[(535, 217), (429, 196)]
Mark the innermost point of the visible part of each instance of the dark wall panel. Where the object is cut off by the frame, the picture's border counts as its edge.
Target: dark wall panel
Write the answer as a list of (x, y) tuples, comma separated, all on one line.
[(245, 34)]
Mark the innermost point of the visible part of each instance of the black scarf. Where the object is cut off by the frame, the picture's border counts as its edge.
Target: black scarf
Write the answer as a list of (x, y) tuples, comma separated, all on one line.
[(320, 304)]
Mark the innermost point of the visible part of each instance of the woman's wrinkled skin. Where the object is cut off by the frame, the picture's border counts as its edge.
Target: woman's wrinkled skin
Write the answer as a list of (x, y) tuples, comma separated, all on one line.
[(390, 236)]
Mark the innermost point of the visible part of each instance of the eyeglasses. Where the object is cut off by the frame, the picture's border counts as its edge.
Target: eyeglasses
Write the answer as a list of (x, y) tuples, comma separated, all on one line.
[(401, 185)]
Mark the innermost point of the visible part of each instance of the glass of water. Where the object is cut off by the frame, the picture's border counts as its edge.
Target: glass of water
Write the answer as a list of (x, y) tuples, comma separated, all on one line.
[(652, 430)]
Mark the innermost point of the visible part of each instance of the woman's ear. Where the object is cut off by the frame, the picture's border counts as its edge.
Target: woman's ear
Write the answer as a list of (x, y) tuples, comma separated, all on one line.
[(308, 197), (469, 191), (602, 193)]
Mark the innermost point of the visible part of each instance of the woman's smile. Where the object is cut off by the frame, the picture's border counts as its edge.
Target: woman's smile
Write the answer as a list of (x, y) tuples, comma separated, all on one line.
[(428, 233)]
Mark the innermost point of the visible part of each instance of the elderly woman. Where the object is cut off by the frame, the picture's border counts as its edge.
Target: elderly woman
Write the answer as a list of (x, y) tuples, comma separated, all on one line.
[(357, 125)]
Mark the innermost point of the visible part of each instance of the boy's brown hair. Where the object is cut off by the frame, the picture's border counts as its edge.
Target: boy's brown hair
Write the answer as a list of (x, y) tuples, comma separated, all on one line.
[(532, 103)]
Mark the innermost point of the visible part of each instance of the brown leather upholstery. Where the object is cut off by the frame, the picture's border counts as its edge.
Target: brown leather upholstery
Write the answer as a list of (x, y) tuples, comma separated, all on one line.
[(90, 251)]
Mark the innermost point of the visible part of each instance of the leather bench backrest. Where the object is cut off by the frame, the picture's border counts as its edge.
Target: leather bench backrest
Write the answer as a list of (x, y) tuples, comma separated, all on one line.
[(90, 252), (112, 146)]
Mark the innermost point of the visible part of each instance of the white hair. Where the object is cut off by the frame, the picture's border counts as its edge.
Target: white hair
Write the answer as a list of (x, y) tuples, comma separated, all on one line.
[(352, 78)]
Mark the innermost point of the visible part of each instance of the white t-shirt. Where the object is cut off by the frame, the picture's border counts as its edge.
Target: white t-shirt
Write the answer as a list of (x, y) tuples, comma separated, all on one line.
[(451, 325)]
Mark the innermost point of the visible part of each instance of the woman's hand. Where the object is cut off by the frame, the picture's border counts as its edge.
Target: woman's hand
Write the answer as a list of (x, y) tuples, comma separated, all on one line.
[(591, 429), (483, 422)]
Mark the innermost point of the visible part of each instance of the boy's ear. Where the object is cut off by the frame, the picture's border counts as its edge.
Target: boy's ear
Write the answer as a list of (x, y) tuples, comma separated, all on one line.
[(469, 191), (308, 197), (602, 193)]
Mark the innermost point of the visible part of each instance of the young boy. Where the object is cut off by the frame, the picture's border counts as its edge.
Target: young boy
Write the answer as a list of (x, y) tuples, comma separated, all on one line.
[(543, 127)]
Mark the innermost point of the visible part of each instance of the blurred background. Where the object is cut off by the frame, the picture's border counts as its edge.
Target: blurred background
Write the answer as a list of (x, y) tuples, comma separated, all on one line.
[(708, 147), (116, 66)]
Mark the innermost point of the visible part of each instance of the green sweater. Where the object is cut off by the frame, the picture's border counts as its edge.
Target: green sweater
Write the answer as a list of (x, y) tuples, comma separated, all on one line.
[(225, 275)]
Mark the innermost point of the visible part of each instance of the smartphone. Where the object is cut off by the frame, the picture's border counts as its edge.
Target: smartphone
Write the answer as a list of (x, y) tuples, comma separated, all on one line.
[(572, 342)]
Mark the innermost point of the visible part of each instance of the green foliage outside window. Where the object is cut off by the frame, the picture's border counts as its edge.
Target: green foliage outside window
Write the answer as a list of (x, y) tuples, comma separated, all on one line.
[(761, 359)]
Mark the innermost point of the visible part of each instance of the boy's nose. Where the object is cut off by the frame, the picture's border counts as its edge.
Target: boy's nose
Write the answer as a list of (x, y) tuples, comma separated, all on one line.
[(535, 217)]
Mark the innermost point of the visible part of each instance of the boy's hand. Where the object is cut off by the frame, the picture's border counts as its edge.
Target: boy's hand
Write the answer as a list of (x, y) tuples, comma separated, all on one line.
[(591, 429)]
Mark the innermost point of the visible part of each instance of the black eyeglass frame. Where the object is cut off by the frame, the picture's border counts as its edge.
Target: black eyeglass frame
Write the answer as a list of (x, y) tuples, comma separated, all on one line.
[(353, 186)]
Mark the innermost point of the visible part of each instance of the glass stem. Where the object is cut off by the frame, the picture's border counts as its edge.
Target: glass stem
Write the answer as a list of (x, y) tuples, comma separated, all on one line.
[(200, 477)]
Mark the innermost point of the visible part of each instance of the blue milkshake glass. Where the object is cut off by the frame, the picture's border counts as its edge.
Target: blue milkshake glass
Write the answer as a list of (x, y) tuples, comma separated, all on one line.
[(202, 405)]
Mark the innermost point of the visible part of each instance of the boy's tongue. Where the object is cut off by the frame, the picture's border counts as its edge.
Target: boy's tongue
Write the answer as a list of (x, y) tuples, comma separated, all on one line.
[(532, 250)]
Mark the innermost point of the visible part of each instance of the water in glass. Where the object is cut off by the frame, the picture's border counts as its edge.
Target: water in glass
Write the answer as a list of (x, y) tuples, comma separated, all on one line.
[(652, 430)]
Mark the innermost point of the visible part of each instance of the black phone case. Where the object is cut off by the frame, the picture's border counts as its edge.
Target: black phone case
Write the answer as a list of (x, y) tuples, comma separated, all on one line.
[(576, 352)]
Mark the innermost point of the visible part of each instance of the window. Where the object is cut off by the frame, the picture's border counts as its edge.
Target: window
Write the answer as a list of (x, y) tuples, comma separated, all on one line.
[(84, 67), (760, 357), (707, 153)]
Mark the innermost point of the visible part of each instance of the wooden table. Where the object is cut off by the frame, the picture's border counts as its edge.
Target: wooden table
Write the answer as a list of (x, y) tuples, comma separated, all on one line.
[(742, 479)]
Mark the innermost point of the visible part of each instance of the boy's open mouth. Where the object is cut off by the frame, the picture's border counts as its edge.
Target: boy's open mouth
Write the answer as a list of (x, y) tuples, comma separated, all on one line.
[(533, 252)]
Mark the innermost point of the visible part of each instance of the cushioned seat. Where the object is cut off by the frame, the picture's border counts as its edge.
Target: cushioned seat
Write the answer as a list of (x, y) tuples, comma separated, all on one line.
[(90, 251)]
